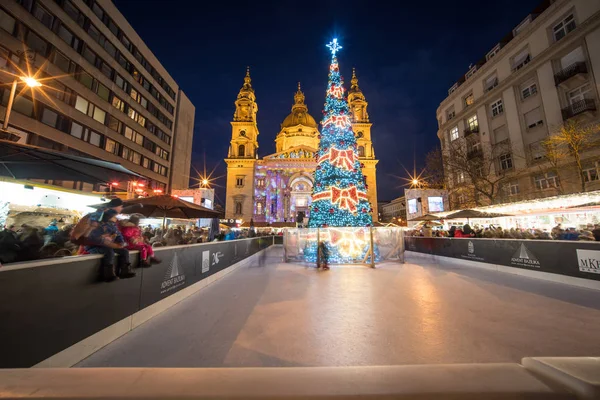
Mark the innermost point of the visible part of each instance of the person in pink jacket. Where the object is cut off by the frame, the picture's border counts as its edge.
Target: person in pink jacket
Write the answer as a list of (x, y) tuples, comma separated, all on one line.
[(135, 241)]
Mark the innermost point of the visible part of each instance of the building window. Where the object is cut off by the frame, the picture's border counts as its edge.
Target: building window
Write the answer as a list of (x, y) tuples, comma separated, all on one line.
[(454, 133), (7, 22), (512, 188), (77, 130), (533, 118), (506, 161), (49, 117), (99, 115), (528, 89), (34, 42), (68, 37), (460, 177), (43, 15), (537, 151), (472, 123), (450, 113), (565, 26), (590, 173), (490, 83), (497, 108), (492, 52), (118, 103), (581, 93), (520, 60), (468, 100), (259, 208), (238, 207), (241, 150), (102, 91), (110, 146), (95, 138), (546, 181), (361, 151), (81, 104), (86, 79), (239, 182), (63, 62)]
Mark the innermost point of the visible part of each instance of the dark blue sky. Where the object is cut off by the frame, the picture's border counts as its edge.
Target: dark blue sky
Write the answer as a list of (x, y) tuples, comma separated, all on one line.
[(407, 55)]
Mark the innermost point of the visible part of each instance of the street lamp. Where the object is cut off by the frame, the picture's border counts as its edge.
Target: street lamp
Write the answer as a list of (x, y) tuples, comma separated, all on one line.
[(29, 81)]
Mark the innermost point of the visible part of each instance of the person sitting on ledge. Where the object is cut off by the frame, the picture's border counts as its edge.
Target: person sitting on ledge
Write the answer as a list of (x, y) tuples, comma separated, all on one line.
[(106, 239), (135, 241)]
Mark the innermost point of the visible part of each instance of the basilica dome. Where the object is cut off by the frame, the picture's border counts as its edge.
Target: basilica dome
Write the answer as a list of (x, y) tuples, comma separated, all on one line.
[(299, 117), (299, 114)]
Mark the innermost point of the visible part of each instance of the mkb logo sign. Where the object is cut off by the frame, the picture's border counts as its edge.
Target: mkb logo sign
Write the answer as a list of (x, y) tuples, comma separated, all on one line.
[(588, 261), (174, 277), (523, 257)]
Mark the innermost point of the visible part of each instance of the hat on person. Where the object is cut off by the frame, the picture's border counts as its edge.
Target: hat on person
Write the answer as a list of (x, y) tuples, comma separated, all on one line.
[(108, 214), (116, 202), (134, 219), (586, 235)]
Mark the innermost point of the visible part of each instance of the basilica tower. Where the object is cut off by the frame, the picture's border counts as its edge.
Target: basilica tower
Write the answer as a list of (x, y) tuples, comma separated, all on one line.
[(242, 155), (361, 126)]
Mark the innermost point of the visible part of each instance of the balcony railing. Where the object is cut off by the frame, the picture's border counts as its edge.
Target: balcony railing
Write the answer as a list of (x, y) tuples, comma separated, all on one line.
[(578, 107), (472, 130), (475, 153), (570, 71)]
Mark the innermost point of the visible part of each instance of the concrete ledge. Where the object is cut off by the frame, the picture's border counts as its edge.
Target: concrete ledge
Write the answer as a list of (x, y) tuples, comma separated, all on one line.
[(580, 375), (467, 381), (88, 346), (569, 280)]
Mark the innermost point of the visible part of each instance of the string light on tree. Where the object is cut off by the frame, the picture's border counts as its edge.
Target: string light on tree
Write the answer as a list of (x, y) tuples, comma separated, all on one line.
[(339, 194)]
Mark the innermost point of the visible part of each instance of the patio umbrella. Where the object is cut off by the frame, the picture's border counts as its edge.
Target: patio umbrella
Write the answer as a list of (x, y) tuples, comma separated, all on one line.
[(474, 214), (430, 223), (20, 161), (167, 206), (427, 217)]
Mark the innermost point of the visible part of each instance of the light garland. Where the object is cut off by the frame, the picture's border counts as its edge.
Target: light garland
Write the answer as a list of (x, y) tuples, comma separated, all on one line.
[(339, 121)]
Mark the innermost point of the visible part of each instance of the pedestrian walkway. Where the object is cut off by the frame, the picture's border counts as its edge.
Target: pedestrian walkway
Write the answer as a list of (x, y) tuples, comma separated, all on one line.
[(281, 315)]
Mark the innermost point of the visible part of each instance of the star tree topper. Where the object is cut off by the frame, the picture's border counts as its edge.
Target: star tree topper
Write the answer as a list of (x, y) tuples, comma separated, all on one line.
[(334, 46)]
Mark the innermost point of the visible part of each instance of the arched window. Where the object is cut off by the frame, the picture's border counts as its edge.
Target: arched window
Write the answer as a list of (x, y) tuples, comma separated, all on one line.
[(361, 151), (241, 150), (238, 207), (259, 208)]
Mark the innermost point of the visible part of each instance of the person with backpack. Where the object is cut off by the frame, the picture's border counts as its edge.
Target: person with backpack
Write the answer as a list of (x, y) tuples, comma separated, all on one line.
[(106, 239), (88, 223)]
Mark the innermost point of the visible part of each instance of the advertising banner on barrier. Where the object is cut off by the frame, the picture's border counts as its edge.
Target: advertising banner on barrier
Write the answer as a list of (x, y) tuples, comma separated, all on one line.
[(571, 258), (49, 305), (183, 266)]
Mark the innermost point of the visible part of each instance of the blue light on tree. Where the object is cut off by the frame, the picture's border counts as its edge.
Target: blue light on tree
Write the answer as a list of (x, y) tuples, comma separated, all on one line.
[(339, 196)]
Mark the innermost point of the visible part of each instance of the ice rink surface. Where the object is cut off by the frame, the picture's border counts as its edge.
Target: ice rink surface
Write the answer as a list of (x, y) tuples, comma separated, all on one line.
[(281, 315)]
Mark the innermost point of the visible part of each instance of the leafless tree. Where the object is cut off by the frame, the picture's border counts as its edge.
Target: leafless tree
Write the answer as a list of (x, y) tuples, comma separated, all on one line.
[(434, 169), (478, 168)]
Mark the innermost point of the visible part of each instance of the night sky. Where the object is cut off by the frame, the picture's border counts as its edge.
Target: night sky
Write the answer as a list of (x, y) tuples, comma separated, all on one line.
[(407, 55)]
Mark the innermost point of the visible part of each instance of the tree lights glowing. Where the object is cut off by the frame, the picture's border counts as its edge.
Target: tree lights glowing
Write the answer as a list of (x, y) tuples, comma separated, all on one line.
[(339, 194)]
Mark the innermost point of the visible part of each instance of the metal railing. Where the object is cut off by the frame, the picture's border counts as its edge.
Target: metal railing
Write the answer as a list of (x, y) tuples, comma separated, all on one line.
[(472, 130), (578, 107), (570, 71)]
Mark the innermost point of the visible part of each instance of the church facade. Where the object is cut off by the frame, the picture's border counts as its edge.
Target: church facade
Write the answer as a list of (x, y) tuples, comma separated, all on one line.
[(278, 187)]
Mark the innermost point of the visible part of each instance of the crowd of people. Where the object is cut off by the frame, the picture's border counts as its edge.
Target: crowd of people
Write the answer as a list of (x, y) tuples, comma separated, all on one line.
[(590, 232), (100, 232)]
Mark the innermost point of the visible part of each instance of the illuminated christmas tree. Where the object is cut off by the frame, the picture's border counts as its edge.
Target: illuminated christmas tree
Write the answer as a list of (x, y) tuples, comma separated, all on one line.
[(339, 197)]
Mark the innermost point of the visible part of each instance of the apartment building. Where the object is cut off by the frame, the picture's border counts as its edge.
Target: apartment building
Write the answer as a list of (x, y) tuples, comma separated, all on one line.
[(494, 122), (393, 210), (107, 96)]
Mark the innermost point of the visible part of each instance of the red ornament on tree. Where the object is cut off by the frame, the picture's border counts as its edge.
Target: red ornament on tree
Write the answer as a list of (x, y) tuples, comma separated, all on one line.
[(331, 211), (316, 209), (364, 210)]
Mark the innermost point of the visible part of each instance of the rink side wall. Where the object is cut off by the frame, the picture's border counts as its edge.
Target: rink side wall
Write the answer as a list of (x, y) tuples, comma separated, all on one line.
[(56, 312), (573, 262)]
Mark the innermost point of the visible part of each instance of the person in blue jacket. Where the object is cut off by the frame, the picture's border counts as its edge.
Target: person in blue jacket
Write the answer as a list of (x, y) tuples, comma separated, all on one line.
[(106, 239)]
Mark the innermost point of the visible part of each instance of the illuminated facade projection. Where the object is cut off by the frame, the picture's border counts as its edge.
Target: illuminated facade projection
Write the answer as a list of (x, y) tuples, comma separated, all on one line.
[(278, 187)]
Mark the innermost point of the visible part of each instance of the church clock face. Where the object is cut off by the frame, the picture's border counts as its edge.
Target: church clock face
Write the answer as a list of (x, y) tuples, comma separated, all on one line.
[(243, 133), (359, 135)]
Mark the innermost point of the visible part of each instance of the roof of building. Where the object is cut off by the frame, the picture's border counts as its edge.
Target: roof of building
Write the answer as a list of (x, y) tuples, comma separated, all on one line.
[(299, 114)]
